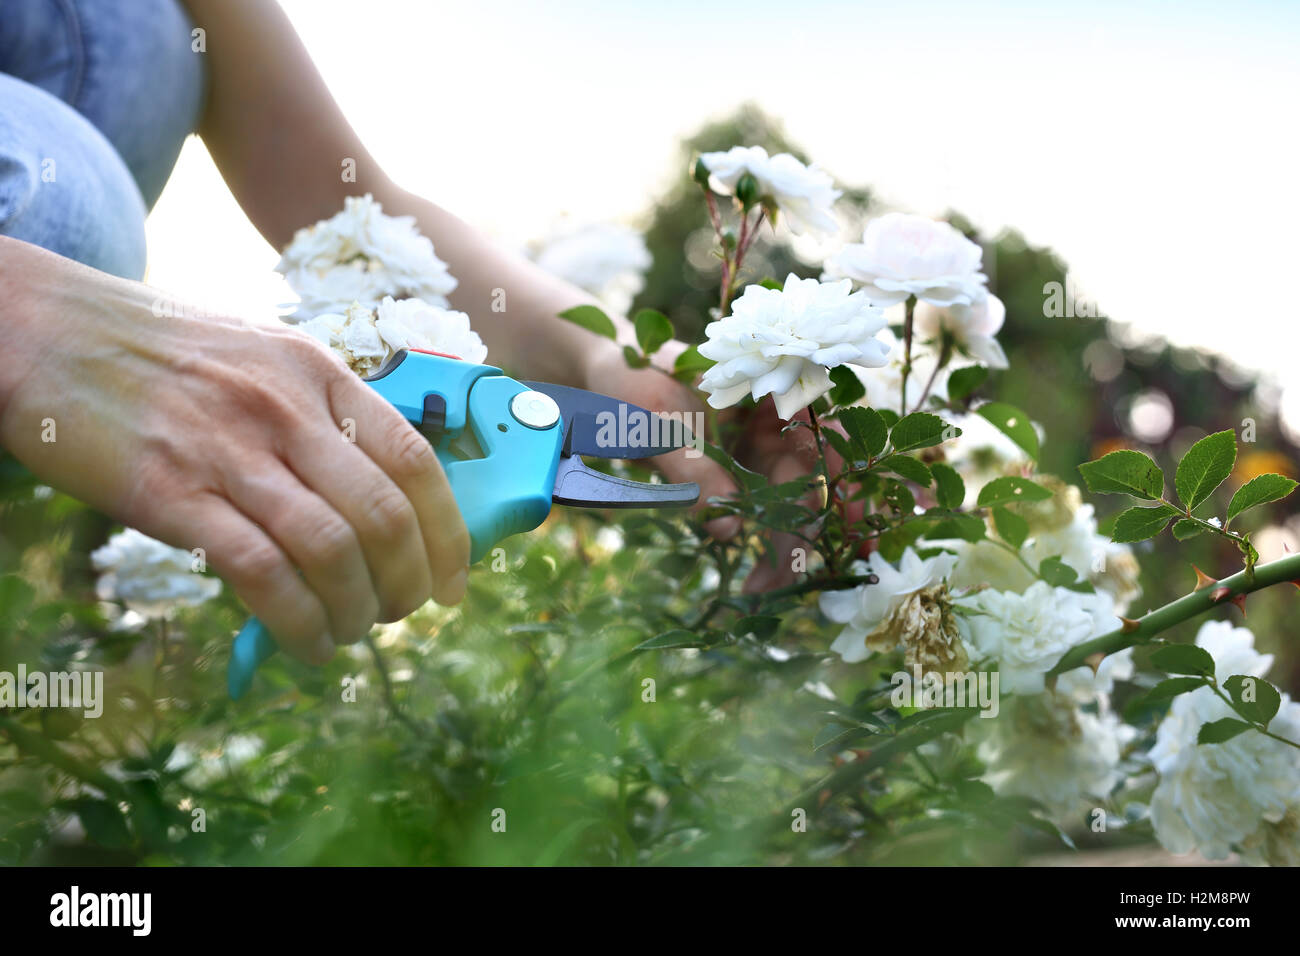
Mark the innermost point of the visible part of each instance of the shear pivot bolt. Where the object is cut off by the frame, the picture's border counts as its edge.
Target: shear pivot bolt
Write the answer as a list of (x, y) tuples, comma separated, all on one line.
[(535, 409)]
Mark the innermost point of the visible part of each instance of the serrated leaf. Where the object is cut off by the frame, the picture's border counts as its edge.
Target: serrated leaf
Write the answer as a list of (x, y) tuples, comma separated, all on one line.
[(1217, 731), (898, 496), (965, 527), (1124, 472), (1258, 491), (965, 380), (1256, 698), (1057, 573), (843, 447), (1206, 465), (653, 329), (1003, 491), (847, 387), (1183, 659), (1138, 524), (866, 429), (910, 468), (1013, 423), (1187, 528), (592, 319), (1011, 528), (920, 430), (1162, 693), (950, 490)]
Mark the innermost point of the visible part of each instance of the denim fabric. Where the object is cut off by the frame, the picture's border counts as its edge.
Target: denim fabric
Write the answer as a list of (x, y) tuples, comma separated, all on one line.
[(96, 99)]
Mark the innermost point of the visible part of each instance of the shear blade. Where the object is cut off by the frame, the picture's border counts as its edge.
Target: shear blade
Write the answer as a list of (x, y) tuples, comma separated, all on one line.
[(605, 427), (578, 486)]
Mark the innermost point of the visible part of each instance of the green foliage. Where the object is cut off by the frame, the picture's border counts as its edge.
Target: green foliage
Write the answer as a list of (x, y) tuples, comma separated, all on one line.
[(1183, 659), (1013, 423), (1009, 490), (1259, 490), (592, 319), (652, 330), (920, 430), (1138, 524), (1124, 472), (1221, 730), (1206, 465)]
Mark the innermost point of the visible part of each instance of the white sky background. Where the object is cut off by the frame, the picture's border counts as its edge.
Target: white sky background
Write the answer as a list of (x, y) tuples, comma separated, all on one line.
[(1154, 145)]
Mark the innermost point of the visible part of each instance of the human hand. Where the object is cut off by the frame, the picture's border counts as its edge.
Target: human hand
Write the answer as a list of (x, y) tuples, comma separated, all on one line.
[(214, 434)]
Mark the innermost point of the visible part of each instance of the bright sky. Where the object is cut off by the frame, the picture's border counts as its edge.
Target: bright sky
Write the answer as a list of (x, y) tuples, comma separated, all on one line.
[(1153, 144)]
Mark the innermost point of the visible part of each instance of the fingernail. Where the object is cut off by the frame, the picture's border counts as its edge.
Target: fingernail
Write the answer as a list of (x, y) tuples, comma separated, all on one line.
[(323, 650), (454, 590)]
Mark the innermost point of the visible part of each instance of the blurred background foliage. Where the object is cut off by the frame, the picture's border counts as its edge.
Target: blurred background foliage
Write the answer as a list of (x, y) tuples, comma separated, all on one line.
[(527, 726)]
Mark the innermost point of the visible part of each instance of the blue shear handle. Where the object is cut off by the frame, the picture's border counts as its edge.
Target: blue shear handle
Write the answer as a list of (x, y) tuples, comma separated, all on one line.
[(505, 492)]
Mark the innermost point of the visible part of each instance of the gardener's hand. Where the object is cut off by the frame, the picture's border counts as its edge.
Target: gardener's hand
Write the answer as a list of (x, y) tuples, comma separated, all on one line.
[(213, 434)]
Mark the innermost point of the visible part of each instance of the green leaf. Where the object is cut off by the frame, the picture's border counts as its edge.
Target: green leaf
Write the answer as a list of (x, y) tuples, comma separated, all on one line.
[(1256, 698), (866, 429), (770, 283), (965, 380), (898, 496), (843, 447), (1217, 731), (634, 358), (1124, 472), (921, 430), (653, 329), (1258, 491), (677, 637), (1187, 528), (1183, 659), (1162, 693), (762, 626), (103, 822), (1057, 573), (1013, 423), (1002, 491), (848, 388), (1138, 524), (690, 363), (1012, 528), (950, 490), (966, 527), (1206, 465), (592, 319), (909, 468)]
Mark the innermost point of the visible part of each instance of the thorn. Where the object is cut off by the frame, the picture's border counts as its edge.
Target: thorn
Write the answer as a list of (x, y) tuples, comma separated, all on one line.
[(1218, 594), (1203, 580), (1094, 661), (1240, 601), (1286, 547), (1129, 625)]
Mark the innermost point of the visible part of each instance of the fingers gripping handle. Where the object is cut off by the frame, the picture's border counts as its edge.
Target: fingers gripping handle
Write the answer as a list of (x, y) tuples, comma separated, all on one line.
[(504, 492)]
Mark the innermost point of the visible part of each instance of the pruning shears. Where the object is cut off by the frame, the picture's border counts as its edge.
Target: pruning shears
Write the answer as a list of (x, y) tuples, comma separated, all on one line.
[(510, 450)]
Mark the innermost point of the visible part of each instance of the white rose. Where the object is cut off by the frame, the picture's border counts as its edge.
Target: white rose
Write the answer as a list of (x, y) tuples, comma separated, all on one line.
[(606, 259), (782, 341), (902, 255), (1243, 793), (884, 385), (862, 609), (804, 195), (1028, 633), (148, 576), (412, 323), (972, 326)]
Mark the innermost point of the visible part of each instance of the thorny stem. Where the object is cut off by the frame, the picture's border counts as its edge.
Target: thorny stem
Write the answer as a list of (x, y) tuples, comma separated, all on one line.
[(1186, 607)]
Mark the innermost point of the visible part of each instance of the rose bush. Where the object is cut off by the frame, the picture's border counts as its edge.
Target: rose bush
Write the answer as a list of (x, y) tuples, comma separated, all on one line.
[(609, 692)]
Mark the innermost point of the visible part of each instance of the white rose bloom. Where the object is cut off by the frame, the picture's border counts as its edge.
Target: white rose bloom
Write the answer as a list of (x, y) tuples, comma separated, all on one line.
[(782, 341), (1048, 749), (366, 340), (606, 259), (148, 576), (804, 195), (360, 254), (1028, 633), (412, 323), (902, 255), (1243, 793), (862, 609), (972, 326)]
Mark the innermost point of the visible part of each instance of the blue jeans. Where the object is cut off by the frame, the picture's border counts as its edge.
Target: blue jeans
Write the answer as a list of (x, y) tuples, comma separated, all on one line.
[(96, 98)]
